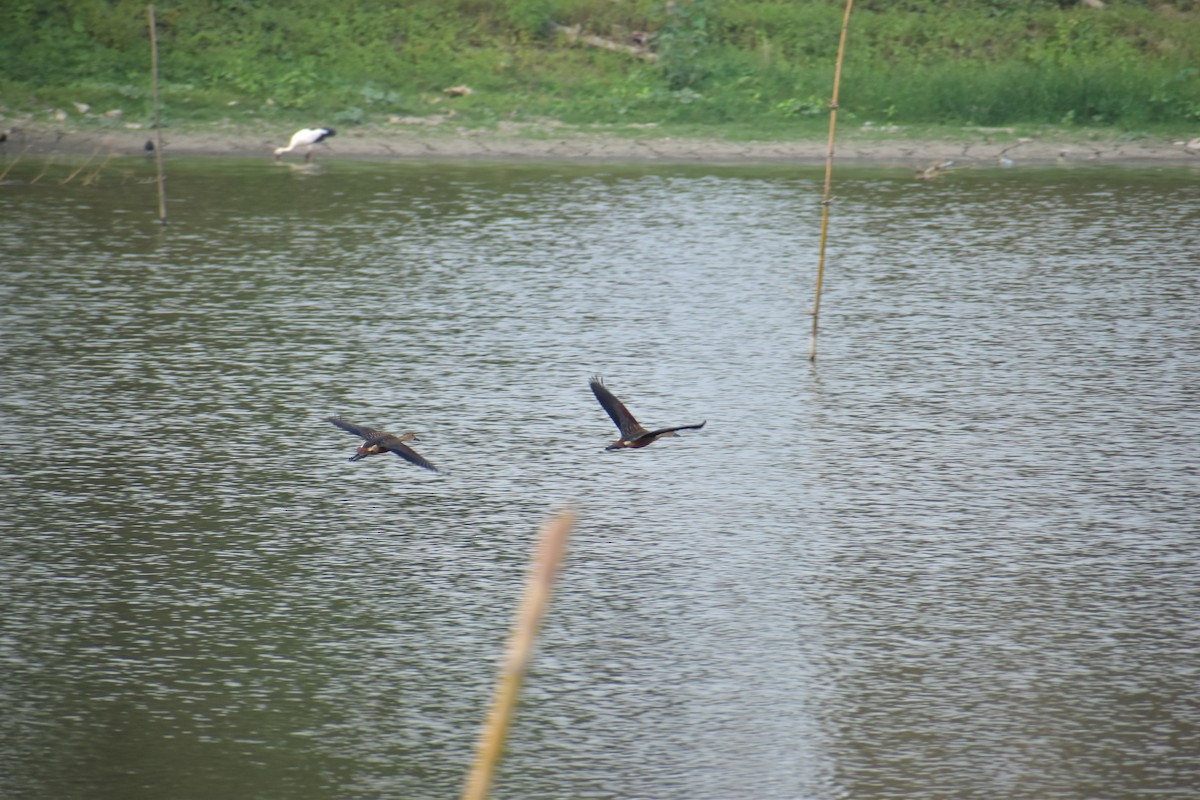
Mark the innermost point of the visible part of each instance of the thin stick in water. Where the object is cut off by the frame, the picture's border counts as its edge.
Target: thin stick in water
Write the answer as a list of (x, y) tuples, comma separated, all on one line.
[(826, 198), (94, 176), (10, 164), (538, 587), (45, 166), (71, 176), (158, 158)]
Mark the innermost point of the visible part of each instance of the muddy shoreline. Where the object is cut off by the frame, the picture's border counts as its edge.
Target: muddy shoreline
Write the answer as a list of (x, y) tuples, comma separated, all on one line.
[(976, 147)]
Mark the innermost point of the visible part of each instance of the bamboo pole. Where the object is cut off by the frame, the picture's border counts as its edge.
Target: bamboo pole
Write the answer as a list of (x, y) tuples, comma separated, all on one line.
[(158, 158), (826, 198), (94, 175), (45, 166), (10, 164), (538, 587), (71, 176)]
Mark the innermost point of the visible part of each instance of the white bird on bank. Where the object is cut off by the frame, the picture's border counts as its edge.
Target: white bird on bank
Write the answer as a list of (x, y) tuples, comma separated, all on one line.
[(306, 138)]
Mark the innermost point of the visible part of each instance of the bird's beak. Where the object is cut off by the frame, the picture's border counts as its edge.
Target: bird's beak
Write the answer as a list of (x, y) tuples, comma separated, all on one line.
[(356, 457)]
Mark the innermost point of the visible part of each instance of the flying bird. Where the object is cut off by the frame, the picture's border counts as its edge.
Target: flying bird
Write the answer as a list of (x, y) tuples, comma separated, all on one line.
[(377, 442), (306, 138), (632, 433)]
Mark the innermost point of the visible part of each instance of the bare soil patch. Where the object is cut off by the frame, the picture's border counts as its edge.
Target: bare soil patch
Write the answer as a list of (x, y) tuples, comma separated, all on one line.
[(439, 140)]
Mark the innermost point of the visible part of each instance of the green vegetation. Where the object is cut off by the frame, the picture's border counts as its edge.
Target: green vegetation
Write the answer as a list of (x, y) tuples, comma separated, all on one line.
[(750, 67)]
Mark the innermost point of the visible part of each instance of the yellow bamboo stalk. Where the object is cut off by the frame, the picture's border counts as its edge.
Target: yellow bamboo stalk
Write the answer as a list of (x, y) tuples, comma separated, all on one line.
[(826, 197), (45, 166), (10, 164), (71, 176), (94, 176), (158, 159), (538, 588)]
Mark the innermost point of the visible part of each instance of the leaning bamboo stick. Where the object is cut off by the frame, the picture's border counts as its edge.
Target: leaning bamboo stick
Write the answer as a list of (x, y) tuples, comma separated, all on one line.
[(71, 176), (538, 587), (826, 197), (10, 164), (45, 166), (158, 158), (94, 175)]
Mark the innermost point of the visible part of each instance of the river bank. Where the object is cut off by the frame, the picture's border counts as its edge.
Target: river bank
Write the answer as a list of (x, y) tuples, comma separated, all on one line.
[(432, 139)]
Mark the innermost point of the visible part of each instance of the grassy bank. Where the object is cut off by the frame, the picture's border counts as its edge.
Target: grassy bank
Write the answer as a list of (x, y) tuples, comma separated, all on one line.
[(758, 67)]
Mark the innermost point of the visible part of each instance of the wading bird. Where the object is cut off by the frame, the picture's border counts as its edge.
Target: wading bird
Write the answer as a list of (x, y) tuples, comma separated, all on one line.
[(306, 138), (377, 442), (632, 433)]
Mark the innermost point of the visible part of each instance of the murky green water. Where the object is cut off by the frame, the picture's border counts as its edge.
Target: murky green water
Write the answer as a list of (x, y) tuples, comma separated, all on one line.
[(957, 558)]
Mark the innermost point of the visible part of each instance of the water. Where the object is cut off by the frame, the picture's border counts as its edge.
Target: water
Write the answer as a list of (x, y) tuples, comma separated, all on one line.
[(956, 558)]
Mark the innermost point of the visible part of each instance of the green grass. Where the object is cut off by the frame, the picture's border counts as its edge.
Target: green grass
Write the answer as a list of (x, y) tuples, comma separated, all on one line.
[(761, 66)]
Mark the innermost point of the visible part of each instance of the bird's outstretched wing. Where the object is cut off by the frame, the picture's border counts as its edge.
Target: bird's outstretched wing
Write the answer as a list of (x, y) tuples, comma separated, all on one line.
[(407, 453), (665, 431), (358, 430), (626, 423)]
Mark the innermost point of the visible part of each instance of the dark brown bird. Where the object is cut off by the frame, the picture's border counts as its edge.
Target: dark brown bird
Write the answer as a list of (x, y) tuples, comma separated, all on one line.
[(377, 443), (632, 433)]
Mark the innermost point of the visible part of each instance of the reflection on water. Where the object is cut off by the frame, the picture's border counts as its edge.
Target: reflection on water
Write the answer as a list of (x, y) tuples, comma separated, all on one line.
[(954, 559)]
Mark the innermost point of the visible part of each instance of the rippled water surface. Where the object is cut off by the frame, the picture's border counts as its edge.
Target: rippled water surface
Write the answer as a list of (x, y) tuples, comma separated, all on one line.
[(955, 559)]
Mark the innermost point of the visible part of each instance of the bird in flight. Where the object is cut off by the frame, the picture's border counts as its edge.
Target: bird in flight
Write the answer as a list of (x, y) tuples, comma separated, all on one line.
[(377, 442), (632, 433)]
